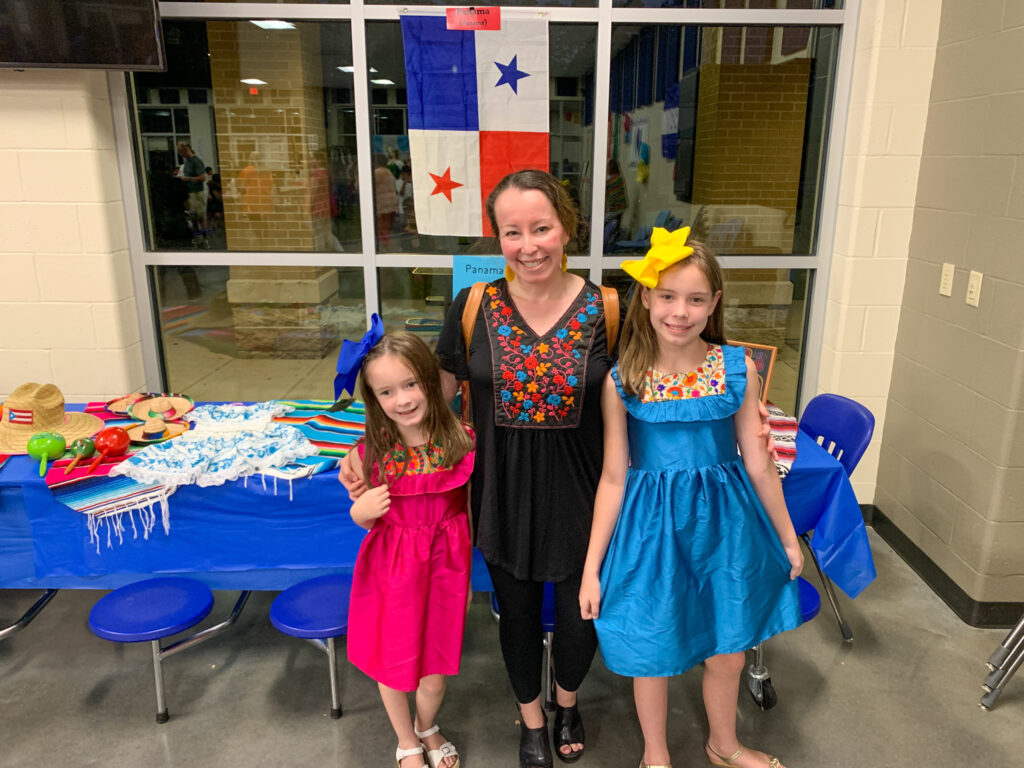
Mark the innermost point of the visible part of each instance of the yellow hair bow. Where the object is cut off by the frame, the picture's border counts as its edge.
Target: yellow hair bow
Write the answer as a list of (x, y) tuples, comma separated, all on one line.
[(667, 248)]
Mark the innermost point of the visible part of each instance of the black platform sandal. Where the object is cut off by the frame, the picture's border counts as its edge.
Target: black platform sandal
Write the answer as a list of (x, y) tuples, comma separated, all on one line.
[(568, 730), (534, 746)]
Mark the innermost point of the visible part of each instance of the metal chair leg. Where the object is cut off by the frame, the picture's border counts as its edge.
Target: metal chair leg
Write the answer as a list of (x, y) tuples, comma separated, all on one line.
[(549, 673), (158, 674), (333, 667), (826, 582), (30, 614)]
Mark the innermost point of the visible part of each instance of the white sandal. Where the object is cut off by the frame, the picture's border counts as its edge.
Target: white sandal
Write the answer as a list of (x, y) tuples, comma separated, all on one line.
[(436, 756), (401, 754)]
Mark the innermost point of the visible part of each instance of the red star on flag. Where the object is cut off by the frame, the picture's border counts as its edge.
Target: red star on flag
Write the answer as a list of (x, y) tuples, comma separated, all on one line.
[(444, 184)]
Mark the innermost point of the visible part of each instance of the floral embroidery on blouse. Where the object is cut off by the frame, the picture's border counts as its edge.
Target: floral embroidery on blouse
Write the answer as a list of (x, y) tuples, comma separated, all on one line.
[(538, 379), (708, 379), (418, 460)]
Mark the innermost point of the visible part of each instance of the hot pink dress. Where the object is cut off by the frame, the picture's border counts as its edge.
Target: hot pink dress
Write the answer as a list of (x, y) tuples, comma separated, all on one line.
[(411, 578)]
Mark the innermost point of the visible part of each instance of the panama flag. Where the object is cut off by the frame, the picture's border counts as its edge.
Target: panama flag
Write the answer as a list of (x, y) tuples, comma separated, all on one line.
[(478, 110)]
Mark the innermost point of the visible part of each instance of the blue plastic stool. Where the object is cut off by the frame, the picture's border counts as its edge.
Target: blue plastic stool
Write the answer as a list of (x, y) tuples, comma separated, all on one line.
[(758, 679), (316, 610), (547, 622), (153, 609)]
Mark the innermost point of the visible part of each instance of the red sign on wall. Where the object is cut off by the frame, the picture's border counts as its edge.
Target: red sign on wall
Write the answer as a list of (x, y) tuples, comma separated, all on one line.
[(474, 18)]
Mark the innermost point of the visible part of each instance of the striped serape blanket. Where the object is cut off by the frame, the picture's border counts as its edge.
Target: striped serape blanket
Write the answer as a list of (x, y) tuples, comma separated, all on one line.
[(105, 500), (784, 429), (333, 434)]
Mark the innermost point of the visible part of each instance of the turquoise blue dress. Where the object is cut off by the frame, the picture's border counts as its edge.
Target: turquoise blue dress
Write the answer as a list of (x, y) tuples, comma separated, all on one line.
[(694, 567)]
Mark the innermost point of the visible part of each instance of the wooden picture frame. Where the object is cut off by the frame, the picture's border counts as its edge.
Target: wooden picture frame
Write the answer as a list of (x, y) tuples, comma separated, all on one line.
[(764, 361)]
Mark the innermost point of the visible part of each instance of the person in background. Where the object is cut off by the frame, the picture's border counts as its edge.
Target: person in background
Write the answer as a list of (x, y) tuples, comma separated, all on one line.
[(193, 173), (386, 199)]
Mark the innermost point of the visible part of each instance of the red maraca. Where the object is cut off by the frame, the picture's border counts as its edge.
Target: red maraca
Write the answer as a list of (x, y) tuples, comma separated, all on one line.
[(112, 441)]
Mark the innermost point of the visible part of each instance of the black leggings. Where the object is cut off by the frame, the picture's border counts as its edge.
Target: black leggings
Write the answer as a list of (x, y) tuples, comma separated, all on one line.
[(521, 633)]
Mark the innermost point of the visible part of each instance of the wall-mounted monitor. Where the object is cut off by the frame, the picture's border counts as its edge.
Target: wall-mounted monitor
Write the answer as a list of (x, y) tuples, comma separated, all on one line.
[(84, 34)]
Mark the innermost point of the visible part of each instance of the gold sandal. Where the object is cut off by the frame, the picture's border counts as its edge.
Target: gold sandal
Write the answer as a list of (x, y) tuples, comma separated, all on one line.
[(645, 765), (773, 762)]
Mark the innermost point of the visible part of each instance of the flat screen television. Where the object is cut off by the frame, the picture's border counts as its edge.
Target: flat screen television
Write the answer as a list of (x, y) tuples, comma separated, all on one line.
[(84, 34)]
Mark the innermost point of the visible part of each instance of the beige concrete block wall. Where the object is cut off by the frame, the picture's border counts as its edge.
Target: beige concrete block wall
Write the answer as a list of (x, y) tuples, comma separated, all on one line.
[(896, 42), (952, 458), (67, 307)]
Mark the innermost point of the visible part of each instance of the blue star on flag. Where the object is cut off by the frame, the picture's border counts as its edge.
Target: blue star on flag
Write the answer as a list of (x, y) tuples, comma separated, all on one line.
[(510, 74)]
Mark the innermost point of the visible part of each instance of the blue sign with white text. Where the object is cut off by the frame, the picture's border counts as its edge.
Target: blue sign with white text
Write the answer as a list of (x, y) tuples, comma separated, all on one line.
[(467, 270)]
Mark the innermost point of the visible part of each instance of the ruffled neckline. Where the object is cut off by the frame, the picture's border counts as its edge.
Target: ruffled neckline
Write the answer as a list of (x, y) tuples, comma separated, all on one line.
[(706, 408), (433, 482)]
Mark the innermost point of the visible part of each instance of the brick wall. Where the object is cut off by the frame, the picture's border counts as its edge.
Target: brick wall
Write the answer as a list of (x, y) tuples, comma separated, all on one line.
[(272, 147), (750, 132)]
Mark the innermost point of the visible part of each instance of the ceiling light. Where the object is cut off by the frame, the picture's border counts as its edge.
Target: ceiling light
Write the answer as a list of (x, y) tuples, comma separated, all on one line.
[(253, 81), (383, 81), (273, 24), (350, 70)]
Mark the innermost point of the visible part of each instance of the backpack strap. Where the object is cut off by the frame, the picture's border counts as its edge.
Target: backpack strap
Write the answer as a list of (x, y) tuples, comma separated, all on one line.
[(470, 313), (611, 315)]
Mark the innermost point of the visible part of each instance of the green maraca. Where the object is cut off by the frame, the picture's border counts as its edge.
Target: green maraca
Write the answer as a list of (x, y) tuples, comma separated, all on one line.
[(46, 446), (82, 448)]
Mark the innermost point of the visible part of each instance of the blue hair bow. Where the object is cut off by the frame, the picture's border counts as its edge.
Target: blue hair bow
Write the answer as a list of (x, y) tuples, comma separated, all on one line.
[(350, 358)]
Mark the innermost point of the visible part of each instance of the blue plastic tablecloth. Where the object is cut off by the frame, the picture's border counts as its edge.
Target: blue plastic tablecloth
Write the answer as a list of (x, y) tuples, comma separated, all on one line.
[(244, 536), (817, 485)]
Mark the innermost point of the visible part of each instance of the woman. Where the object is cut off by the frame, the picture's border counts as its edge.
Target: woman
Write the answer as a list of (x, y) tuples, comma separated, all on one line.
[(535, 365)]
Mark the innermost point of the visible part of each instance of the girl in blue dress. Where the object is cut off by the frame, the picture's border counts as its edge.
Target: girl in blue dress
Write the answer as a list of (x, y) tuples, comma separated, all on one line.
[(692, 554)]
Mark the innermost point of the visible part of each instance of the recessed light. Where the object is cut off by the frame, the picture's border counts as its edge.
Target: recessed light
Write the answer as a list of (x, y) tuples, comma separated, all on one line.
[(350, 70), (273, 24), (383, 81), (253, 81)]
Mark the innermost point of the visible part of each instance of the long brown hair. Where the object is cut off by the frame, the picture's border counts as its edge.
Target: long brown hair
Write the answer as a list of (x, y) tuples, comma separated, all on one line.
[(440, 423), (638, 349), (557, 195)]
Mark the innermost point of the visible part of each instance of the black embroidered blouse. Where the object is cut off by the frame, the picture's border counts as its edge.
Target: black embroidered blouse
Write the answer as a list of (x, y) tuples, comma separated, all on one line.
[(536, 401)]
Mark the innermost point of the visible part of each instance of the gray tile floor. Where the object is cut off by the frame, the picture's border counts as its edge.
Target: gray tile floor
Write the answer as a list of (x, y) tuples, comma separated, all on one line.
[(905, 693)]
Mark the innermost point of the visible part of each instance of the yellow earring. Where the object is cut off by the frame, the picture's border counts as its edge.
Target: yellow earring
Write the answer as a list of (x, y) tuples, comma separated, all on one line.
[(509, 274), (565, 262)]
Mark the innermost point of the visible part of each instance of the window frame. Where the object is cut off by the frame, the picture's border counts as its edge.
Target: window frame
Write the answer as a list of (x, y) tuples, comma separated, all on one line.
[(605, 15)]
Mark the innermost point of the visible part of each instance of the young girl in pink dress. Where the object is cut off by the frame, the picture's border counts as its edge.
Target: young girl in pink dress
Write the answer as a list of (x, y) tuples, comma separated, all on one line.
[(410, 587)]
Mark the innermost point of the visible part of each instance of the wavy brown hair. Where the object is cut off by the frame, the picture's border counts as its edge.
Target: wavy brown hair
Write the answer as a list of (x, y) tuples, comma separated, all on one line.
[(557, 195), (440, 423), (638, 348)]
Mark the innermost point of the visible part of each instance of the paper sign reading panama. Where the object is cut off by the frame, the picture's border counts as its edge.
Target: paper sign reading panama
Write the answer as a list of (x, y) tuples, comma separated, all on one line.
[(467, 270), (474, 18), (478, 110)]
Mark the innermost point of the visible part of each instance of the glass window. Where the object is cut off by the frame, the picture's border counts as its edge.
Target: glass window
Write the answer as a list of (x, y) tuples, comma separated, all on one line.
[(752, 4), (729, 140), (571, 57), (256, 333), (415, 299), (762, 306), (271, 128)]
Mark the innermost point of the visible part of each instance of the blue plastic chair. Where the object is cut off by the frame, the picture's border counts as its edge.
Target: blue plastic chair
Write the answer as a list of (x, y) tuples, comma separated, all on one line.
[(843, 427), (153, 609), (316, 610), (547, 622)]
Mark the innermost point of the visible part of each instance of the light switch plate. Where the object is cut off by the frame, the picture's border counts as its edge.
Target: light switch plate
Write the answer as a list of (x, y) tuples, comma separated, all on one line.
[(946, 283), (974, 288)]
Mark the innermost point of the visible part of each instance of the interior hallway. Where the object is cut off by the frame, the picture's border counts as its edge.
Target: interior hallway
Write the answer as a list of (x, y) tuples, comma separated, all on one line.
[(905, 693)]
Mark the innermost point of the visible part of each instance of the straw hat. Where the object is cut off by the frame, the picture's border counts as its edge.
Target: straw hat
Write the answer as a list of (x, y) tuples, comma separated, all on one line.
[(155, 430), (166, 407), (35, 408)]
